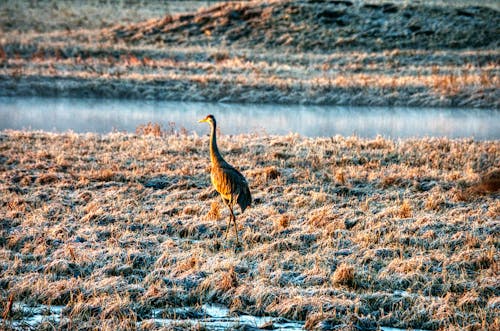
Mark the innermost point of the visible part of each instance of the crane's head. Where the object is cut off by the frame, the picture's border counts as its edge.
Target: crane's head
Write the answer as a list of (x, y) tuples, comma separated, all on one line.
[(210, 119)]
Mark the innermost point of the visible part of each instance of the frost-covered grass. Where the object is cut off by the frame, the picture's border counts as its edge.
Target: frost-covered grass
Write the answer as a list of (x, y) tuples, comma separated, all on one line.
[(302, 53), (342, 231)]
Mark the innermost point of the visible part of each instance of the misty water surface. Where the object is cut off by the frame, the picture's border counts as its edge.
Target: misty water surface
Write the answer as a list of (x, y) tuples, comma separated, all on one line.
[(102, 116)]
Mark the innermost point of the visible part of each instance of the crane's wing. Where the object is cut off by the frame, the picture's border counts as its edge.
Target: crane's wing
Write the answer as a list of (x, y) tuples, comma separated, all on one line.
[(232, 185)]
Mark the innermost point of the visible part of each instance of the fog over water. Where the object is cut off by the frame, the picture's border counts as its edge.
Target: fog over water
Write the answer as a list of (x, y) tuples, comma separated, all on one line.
[(106, 115)]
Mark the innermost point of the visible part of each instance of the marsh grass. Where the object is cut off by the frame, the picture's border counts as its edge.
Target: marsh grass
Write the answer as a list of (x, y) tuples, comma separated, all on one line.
[(114, 226), (245, 57), (151, 129)]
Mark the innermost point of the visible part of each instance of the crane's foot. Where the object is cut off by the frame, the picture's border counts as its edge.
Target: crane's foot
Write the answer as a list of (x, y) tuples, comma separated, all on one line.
[(238, 248)]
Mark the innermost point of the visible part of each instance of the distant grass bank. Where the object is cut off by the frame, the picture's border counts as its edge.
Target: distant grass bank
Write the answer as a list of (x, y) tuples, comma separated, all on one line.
[(338, 52), (343, 231)]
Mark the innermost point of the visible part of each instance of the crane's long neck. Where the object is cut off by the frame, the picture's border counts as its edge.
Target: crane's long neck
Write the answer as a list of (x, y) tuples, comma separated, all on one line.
[(215, 156)]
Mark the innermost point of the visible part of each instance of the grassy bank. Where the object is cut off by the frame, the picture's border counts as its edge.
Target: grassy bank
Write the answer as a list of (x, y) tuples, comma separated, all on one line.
[(340, 52), (343, 231)]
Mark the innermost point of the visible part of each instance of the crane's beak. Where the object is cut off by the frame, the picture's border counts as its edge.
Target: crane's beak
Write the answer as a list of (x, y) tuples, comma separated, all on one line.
[(203, 120)]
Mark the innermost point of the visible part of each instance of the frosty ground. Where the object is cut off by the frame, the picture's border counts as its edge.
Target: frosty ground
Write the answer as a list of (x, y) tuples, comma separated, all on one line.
[(440, 53), (343, 231)]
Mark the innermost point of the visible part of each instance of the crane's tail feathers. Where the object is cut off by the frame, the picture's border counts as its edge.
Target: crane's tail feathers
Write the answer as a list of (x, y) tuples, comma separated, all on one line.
[(244, 199)]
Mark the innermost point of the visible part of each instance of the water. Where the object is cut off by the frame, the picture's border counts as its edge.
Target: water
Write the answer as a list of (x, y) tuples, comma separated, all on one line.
[(218, 318), (34, 315), (102, 116)]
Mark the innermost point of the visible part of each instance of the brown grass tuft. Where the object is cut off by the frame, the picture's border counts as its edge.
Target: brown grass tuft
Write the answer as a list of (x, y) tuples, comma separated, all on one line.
[(390, 181), (283, 221), (320, 218), (271, 173), (186, 265), (153, 129), (47, 179), (104, 175), (405, 210), (344, 275), (214, 212), (341, 177), (489, 182), (229, 280), (469, 301), (434, 201), (71, 252), (8, 307)]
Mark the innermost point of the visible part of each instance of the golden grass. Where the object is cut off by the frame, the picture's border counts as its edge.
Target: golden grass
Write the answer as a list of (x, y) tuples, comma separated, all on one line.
[(49, 60), (214, 213), (344, 275), (405, 209), (150, 129), (384, 237), (192, 80)]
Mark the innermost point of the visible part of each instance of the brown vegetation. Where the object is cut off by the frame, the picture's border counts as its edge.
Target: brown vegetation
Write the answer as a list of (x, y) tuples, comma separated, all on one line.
[(112, 227), (488, 183), (302, 26), (282, 51)]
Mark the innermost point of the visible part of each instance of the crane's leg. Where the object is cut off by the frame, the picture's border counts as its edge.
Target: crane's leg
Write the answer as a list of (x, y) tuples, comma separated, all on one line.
[(235, 226), (230, 217), (227, 228)]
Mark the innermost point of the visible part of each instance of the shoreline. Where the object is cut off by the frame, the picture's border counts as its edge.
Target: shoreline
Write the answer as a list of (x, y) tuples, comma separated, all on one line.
[(118, 115), (70, 87)]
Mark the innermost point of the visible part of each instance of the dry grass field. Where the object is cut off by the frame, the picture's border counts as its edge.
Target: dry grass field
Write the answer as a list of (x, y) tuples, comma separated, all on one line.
[(438, 53), (344, 232), (118, 230)]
